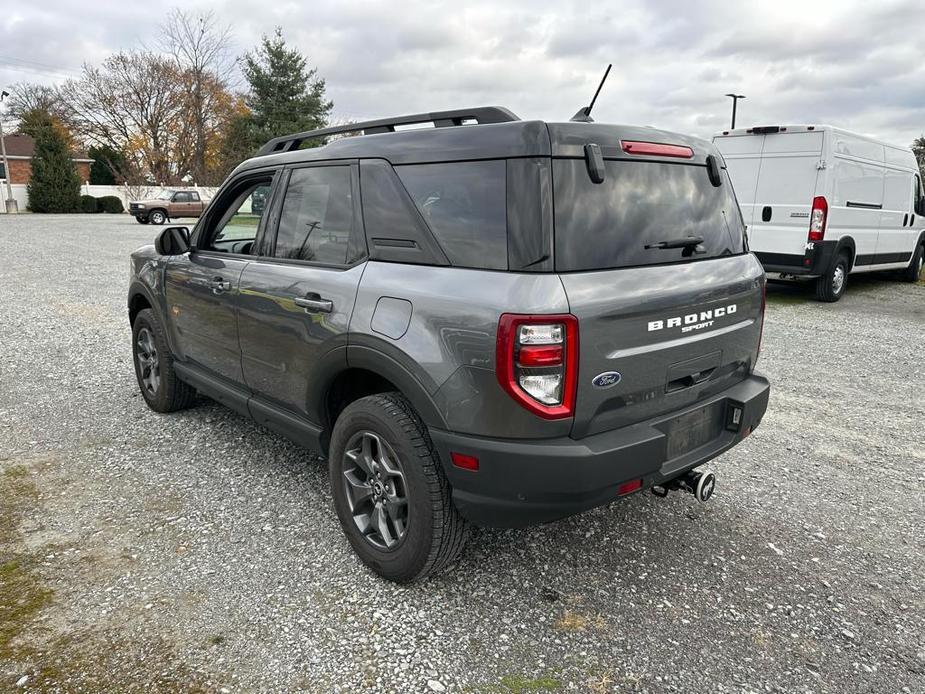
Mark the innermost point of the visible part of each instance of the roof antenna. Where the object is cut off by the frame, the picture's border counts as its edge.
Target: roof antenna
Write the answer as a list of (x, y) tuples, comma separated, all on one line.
[(584, 113)]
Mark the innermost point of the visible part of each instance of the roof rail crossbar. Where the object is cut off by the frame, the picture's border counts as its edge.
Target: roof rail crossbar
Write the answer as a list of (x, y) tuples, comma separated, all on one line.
[(441, 119)]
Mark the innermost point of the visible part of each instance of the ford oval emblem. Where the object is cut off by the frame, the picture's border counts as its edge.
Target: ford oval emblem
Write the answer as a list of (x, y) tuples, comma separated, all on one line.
[(606, 379)]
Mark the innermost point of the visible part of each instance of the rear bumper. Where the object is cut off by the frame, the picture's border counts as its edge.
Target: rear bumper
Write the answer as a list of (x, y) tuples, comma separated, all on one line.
[(814, 261), (522, 483)]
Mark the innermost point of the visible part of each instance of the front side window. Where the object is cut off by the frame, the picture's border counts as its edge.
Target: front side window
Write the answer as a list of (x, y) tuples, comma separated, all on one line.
[(181, 197), (317, 216), (919, 202), (464, 204), (622, 221), (237, 222)]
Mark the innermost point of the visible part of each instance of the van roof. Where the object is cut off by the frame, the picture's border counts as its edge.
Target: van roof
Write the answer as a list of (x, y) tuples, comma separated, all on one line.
[(773, 129), (455, 137)]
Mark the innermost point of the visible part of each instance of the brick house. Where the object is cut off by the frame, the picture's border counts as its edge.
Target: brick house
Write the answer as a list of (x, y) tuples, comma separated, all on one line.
[(20, 149)]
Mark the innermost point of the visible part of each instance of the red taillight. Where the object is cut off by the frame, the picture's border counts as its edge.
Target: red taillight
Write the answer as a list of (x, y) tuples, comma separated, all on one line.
[(629, 487), (656, 149), (537, 362), (818, 218), (466, 462)]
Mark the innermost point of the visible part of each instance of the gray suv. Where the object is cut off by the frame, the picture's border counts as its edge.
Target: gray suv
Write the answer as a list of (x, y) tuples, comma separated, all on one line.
[(490, 321)]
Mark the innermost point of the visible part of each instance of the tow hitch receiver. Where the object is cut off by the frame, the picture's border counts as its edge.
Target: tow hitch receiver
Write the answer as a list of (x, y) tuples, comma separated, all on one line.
[(700, 484)]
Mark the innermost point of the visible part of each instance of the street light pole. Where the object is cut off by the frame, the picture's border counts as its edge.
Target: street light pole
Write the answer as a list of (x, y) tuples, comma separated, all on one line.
[(11, 206), (735, 99)]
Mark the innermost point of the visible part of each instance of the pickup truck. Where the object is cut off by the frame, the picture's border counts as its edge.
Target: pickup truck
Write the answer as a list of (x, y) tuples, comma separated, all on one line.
[(170, 204)]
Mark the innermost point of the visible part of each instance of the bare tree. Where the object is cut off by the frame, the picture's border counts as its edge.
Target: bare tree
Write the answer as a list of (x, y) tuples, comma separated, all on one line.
[(134, 103), (200, 48), (26, 97)]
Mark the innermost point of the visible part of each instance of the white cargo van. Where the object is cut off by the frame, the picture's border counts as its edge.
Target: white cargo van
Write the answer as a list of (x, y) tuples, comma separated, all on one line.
[(821, 202)]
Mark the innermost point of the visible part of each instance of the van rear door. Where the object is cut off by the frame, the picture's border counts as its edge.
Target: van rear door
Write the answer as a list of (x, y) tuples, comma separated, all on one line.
[(788, 173), (743, 159), (677, 324)]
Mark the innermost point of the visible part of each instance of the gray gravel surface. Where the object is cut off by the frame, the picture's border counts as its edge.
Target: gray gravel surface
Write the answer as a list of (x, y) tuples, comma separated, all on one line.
[(197, 551)]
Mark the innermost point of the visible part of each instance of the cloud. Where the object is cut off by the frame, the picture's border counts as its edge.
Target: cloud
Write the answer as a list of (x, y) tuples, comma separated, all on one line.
[(856, 64)]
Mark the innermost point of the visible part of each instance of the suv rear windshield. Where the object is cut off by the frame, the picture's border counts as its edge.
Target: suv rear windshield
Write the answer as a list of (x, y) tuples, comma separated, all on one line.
[(608, 225)]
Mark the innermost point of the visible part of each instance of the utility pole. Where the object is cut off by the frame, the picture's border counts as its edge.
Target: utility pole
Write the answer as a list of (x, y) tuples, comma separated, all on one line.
[(735, 100), (11, 206)]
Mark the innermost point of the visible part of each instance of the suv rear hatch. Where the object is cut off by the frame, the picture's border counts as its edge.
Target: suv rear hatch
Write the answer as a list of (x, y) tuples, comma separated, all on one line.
[(677, 324)]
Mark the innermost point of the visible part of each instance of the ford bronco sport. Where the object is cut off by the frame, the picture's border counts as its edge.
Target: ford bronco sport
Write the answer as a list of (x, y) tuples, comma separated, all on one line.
[(490, 321)]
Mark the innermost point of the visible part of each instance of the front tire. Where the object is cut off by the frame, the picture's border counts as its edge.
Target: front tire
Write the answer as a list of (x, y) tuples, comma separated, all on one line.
[(390, 492), (157, 217), (831, 285), (160, 387), (916, 265)]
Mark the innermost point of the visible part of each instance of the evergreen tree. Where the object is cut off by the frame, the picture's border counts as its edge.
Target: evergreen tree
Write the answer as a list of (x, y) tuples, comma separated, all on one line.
[(54, 185), (918, 147), (285, 96), (109, 166)]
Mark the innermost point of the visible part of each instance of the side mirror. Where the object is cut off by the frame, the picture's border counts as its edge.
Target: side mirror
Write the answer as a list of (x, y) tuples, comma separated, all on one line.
[(172, 241)]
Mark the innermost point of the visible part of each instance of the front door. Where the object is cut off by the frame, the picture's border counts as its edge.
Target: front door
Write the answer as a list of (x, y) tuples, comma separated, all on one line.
[(202, 286), (297, 299)]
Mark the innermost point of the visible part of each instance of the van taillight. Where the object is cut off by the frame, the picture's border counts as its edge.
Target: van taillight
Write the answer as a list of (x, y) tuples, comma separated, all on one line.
[(537, 362), (818, 218)]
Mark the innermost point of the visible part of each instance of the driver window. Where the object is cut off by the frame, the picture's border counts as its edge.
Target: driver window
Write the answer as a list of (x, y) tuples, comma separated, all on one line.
[(237, 225)]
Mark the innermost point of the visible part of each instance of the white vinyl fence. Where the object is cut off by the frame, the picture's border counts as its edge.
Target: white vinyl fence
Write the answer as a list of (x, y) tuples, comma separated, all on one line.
[(124, 193)]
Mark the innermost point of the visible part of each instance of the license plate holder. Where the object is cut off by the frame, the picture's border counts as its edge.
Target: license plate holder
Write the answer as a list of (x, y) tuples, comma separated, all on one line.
[(693, 429)]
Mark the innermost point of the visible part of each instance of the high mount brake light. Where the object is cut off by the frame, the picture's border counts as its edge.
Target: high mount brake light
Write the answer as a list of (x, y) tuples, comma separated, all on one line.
[(656, 149), (537, 362), (818, 218)]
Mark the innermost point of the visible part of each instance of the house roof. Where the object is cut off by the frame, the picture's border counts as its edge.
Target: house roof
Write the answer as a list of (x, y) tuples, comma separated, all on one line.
[(22, 146)]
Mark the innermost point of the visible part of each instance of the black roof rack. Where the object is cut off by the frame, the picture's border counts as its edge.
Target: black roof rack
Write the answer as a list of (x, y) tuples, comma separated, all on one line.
[(441, 119)]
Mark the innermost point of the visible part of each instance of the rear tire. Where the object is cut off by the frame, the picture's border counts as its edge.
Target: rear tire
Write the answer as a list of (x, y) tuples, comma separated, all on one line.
[(831, 285), (420, 535), (160, 387), (916, 265)]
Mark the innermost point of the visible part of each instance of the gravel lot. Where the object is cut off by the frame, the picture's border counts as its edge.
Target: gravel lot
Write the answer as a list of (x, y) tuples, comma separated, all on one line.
[(197, 551)]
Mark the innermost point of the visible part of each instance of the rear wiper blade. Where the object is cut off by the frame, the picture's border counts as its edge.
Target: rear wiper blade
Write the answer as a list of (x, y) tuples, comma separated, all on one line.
[(686, 242)]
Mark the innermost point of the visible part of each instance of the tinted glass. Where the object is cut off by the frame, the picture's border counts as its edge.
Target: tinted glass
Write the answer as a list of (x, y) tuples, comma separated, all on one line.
[(181, 197), (464, 204), (317, 216), (238, 221), (609, 224)]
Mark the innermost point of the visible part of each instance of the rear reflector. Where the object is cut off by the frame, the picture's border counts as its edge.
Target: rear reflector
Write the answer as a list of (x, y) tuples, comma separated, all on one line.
[(629, 487), (466, 462), (540, 356), (656, 149)]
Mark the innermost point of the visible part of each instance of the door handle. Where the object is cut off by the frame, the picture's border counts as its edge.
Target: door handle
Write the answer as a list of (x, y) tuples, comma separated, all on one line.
[(315, 304), (219, 285)]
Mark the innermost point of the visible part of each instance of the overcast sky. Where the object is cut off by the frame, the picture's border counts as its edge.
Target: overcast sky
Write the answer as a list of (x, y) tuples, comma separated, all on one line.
[(857, 64)]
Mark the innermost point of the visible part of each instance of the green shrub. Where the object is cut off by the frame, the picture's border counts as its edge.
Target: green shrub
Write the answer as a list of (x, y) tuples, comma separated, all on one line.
[(111, 204), (88, 204)]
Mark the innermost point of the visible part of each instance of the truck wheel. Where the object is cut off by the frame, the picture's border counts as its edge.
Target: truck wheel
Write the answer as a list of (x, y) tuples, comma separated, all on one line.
[(831, 285), (160, 387), (141, 220), (390, 492), (157, 217), (914, 271)]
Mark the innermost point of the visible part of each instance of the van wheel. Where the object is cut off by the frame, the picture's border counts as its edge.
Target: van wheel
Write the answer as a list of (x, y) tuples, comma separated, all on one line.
[(914, 271), (160, 387), (831, 285), (390, 492)]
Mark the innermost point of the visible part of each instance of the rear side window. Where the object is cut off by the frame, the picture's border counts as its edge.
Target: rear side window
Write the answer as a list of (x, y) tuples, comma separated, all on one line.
[(608, 225), (464, 204), (317, 216)]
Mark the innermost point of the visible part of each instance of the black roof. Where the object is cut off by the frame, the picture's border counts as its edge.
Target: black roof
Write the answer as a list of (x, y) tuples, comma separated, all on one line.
[(495, 139)]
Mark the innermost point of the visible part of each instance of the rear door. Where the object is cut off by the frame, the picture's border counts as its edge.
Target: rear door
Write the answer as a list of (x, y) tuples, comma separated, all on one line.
[(675, 324), (787, 184), (743, 161), (297, 298)]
